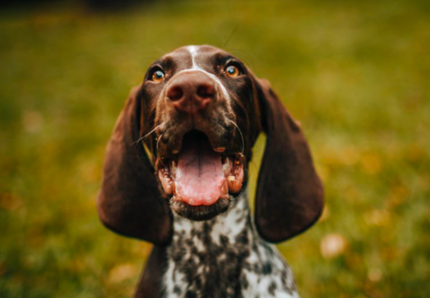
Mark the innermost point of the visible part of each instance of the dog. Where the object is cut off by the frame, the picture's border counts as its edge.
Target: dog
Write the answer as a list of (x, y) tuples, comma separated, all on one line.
[(175, 174)]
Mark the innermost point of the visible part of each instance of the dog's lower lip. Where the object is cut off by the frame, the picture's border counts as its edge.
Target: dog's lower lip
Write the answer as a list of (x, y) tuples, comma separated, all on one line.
[(199, 212)]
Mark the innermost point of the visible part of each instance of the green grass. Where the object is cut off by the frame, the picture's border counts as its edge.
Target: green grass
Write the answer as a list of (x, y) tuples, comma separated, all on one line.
[(356, 75)]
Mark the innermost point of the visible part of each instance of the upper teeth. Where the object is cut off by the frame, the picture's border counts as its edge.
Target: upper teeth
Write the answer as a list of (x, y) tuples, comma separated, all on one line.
[(219, 149), (174, 167)]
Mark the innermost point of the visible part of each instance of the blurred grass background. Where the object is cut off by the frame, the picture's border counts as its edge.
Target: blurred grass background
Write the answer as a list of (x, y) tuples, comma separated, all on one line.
[(355, 73)]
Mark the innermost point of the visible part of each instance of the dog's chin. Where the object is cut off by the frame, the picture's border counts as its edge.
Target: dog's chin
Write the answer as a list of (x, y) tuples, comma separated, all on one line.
[(200, 213)]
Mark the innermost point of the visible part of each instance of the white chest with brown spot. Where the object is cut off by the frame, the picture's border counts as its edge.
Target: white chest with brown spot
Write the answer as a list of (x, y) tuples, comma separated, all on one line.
[(224, 257)]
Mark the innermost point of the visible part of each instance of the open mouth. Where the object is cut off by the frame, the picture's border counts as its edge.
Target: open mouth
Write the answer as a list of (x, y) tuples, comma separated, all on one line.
[(200, 176)]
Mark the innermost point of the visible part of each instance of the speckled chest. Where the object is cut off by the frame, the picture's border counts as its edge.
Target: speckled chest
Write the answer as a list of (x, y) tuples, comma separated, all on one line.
[(224, 257)]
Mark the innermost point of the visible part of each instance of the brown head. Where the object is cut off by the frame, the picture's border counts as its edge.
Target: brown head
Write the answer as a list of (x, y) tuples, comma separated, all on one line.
[(199, 112)]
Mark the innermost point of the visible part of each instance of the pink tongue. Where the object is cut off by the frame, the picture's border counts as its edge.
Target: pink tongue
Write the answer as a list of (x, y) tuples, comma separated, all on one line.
[(199, 175)]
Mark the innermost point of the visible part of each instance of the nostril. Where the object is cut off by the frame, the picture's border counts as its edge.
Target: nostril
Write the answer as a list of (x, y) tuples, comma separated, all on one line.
[(175, 93), (205, 90)]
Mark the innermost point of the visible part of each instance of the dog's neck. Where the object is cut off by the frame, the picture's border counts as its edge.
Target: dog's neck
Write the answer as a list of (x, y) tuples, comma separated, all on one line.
[(233, 227), (221, 257), (207, 255)]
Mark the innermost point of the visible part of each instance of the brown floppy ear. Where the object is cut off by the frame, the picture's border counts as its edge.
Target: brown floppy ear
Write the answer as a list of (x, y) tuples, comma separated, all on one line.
[(289, 196), (129, 201)]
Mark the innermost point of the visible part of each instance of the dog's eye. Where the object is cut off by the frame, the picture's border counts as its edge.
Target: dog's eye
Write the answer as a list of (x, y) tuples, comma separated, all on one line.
[(158, 76), (232, 71)]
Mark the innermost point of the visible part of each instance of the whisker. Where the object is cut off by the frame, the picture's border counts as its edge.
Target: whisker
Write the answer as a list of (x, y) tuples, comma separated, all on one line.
[(231, 35), (241, 135), (158, 142), (149, 133)]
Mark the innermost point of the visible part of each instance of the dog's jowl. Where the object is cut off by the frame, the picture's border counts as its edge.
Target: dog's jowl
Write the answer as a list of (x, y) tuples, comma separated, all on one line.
[(175, 174)]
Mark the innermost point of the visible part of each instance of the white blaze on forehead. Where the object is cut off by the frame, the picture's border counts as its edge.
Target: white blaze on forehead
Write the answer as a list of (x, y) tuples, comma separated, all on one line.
[(193, 50)]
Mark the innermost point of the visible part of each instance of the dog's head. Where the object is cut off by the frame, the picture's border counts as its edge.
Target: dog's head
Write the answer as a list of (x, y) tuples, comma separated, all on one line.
[(198, 114), (200, 122)]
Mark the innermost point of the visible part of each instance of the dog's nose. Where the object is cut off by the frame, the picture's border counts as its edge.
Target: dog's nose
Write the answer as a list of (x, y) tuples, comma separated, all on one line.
[(191, 92)]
